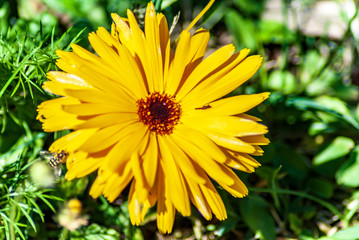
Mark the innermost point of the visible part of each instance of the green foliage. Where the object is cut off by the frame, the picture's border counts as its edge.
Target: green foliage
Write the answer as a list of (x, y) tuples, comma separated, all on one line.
[(254, 207), (21, 202), (307, 185), (347, 174), (96, 232)]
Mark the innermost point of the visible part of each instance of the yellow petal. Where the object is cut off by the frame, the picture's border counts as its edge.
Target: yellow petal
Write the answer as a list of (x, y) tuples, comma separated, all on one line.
[(123, 64), (94, 64), (107, 53), (202, 159), (123, 103), (196, 51), (117, 182), (134, 206), (98, 74), (165, 209), (150, 160), (90, 109), (168, 59), (212, 91), (124, 32), (96, 188), (74, 157), (233, 126), (201, 141), (86, 55), (127, 67), (52, 116), (109, 136), (238, 189), (154, 47), (121, 152), (257, 140), (230, 142), (199, 200), (214, 200), (142, 187), (137, 208), (249, 117), (143, 52), (240, 166), (178, 64), (174, 178), (187, 166), (108, 38), (61, 80), (83, 167), (233, 105), (199, 43), (242, 162), (259, 151), (211, 68), (164, 39), (106, 120), (72, 141)]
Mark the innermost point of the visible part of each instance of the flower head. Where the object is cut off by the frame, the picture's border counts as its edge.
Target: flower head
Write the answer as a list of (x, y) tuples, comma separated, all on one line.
[(149, 117), (70, 216)]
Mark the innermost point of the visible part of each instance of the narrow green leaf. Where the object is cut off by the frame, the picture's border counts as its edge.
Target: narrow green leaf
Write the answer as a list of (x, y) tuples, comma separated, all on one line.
[(22, 208), (21, 66)]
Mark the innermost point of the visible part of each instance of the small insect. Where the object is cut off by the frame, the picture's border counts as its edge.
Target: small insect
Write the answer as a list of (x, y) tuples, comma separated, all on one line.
[(55, 160), (204, 107)]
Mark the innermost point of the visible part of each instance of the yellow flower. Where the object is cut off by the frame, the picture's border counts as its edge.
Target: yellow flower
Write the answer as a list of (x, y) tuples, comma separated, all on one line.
[(70, 216), (144, 115)]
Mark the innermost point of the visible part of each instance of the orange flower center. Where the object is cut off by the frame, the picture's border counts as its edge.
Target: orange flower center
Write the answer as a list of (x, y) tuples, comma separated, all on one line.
[(159, 112)]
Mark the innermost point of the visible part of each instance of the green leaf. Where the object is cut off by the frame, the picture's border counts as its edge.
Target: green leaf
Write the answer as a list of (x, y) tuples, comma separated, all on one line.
[(256, 214), (357, 112), (282, 81), (253, 7), (320, 187), (311, 64), (226, 227), (167, 3), (272, 31), (295, 223), (215, 14), (331, 108), (347, 174), (334, 104), (319, 128), (293, 162), (241, 29), (351, 233), (340, 147)]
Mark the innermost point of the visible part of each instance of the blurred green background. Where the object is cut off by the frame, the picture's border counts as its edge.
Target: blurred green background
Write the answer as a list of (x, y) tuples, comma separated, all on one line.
[(307, 186)]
